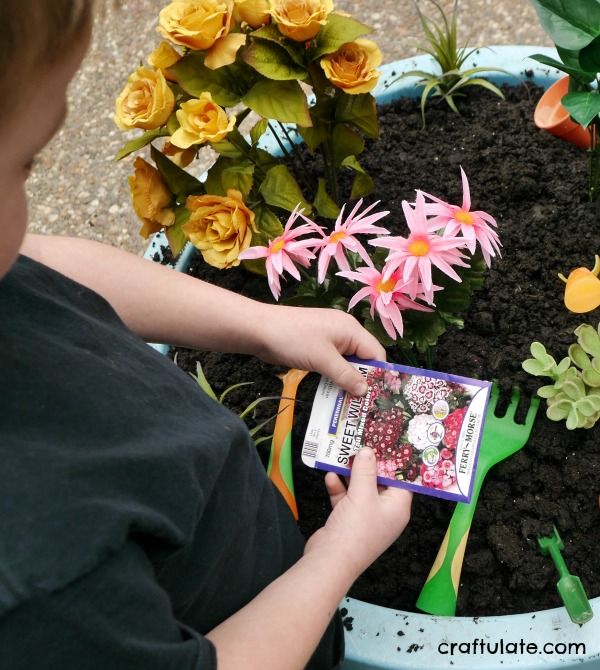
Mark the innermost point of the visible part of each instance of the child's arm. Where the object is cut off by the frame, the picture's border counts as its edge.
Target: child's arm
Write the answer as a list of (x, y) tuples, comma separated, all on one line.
[(165, 306), (281, 627)]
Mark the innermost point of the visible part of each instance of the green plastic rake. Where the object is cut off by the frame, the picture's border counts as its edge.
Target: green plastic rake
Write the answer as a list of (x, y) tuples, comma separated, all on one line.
[(502, 437)]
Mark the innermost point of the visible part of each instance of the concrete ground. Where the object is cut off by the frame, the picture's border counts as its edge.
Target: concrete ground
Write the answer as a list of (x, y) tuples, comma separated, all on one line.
[(78, 189)]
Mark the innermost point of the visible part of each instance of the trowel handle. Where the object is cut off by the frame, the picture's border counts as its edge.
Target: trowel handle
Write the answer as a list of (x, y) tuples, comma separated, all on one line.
[(279, 468), (440, 591)]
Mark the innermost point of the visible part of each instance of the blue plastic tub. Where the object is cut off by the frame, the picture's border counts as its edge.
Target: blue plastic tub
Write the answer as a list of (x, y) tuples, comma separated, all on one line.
[(378, 638)]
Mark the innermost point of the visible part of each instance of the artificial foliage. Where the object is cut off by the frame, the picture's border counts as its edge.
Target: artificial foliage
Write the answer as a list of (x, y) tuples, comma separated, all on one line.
[(218, 62), (574, 395), (451, 79), (574, 27)]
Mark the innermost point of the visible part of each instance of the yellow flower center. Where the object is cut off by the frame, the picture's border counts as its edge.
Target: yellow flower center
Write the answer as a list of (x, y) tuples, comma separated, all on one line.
[(337, 236), (419, 247), (385, 286), (464, 217), (277, 246)]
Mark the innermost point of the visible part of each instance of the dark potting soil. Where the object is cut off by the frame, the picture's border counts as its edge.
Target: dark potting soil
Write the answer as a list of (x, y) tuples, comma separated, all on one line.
[(536, 187)]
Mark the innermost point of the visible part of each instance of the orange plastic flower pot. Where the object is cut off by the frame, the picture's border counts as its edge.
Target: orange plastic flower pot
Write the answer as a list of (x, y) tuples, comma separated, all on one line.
[(550, 115)]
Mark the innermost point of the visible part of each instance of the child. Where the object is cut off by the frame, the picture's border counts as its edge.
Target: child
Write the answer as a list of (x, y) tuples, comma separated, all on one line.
[(137, 526)]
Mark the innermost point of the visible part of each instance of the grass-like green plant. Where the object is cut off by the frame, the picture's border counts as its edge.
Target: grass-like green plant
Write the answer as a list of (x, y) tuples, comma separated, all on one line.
[(442, 46), (205, 385), (574, 395)]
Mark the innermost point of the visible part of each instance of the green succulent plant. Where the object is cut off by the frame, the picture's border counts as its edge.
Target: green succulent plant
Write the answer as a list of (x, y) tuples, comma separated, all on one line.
[(574, 395)]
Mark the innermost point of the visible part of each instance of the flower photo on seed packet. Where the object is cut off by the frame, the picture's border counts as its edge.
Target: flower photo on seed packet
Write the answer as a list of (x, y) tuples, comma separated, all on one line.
[(413, 424), (423, 426)]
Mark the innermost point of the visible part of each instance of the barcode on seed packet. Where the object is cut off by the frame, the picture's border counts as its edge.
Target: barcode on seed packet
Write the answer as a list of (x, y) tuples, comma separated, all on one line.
[(424, 427)]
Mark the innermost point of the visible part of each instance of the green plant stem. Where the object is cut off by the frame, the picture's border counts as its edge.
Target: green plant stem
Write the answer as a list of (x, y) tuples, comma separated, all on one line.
[(296, 154), (319, 85), (247, 152), (594, 162), (408, 355), (330, 171), (285, 152)]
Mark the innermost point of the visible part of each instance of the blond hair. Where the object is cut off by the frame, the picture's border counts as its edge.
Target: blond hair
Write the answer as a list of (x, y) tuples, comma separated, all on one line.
[(34, 34)]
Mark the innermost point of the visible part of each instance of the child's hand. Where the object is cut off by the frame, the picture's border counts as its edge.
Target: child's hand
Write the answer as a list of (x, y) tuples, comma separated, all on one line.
[(366, 519), (315, 339)]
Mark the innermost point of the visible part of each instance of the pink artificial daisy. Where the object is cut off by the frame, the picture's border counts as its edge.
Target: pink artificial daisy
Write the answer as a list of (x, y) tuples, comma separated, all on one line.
[(342, 237), (474, 226), (386, 291), (285, 250), (416, 254)]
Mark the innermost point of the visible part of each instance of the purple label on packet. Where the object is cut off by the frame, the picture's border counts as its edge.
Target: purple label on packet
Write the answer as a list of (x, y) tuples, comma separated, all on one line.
[(337, 411)]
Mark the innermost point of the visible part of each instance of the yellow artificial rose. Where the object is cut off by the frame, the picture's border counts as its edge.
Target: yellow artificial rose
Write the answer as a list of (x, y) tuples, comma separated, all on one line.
[(145, 102), (220, 227), (202, 25), (255, 13), (151, 198), (181, 157), (201, 120), (352, 66), (300, 20), (163, 57)]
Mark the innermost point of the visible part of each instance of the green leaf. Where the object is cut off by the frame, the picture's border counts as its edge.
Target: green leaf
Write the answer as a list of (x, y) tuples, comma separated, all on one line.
[(583, 106), (533, 367), (295, 50), (558, 411), (226, 148), (140, 142), (323, 203), (363, 183), (572, 24), (591, 378), (213, 183), (575, 72), (280, 189), (574, 389), (313, 136), (268, 223), (452, 319), (579, 357), (224, 84), (180, 182), (200, 378), (588, 339), (175, 236), (548, 391), (337, 31), (563, 366), (346, 142), (279, 100), (231, 388), (272, 61), (423, 329), (360, 111), (239, 176), (595, 401), (258, 130), (574, 420), (538, 350)]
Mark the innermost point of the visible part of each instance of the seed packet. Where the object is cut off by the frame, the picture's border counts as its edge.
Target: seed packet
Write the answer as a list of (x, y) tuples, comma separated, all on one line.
[(424, 427)]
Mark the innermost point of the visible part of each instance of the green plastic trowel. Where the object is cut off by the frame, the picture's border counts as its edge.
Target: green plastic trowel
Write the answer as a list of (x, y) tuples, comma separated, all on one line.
[(569, 587)]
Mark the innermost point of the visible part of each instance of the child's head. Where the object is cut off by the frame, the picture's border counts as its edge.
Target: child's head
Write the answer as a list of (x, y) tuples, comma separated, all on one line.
[(42, 43)]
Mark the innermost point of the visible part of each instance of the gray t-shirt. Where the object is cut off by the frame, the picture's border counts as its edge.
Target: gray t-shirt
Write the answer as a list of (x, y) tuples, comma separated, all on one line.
[(135, 514)]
